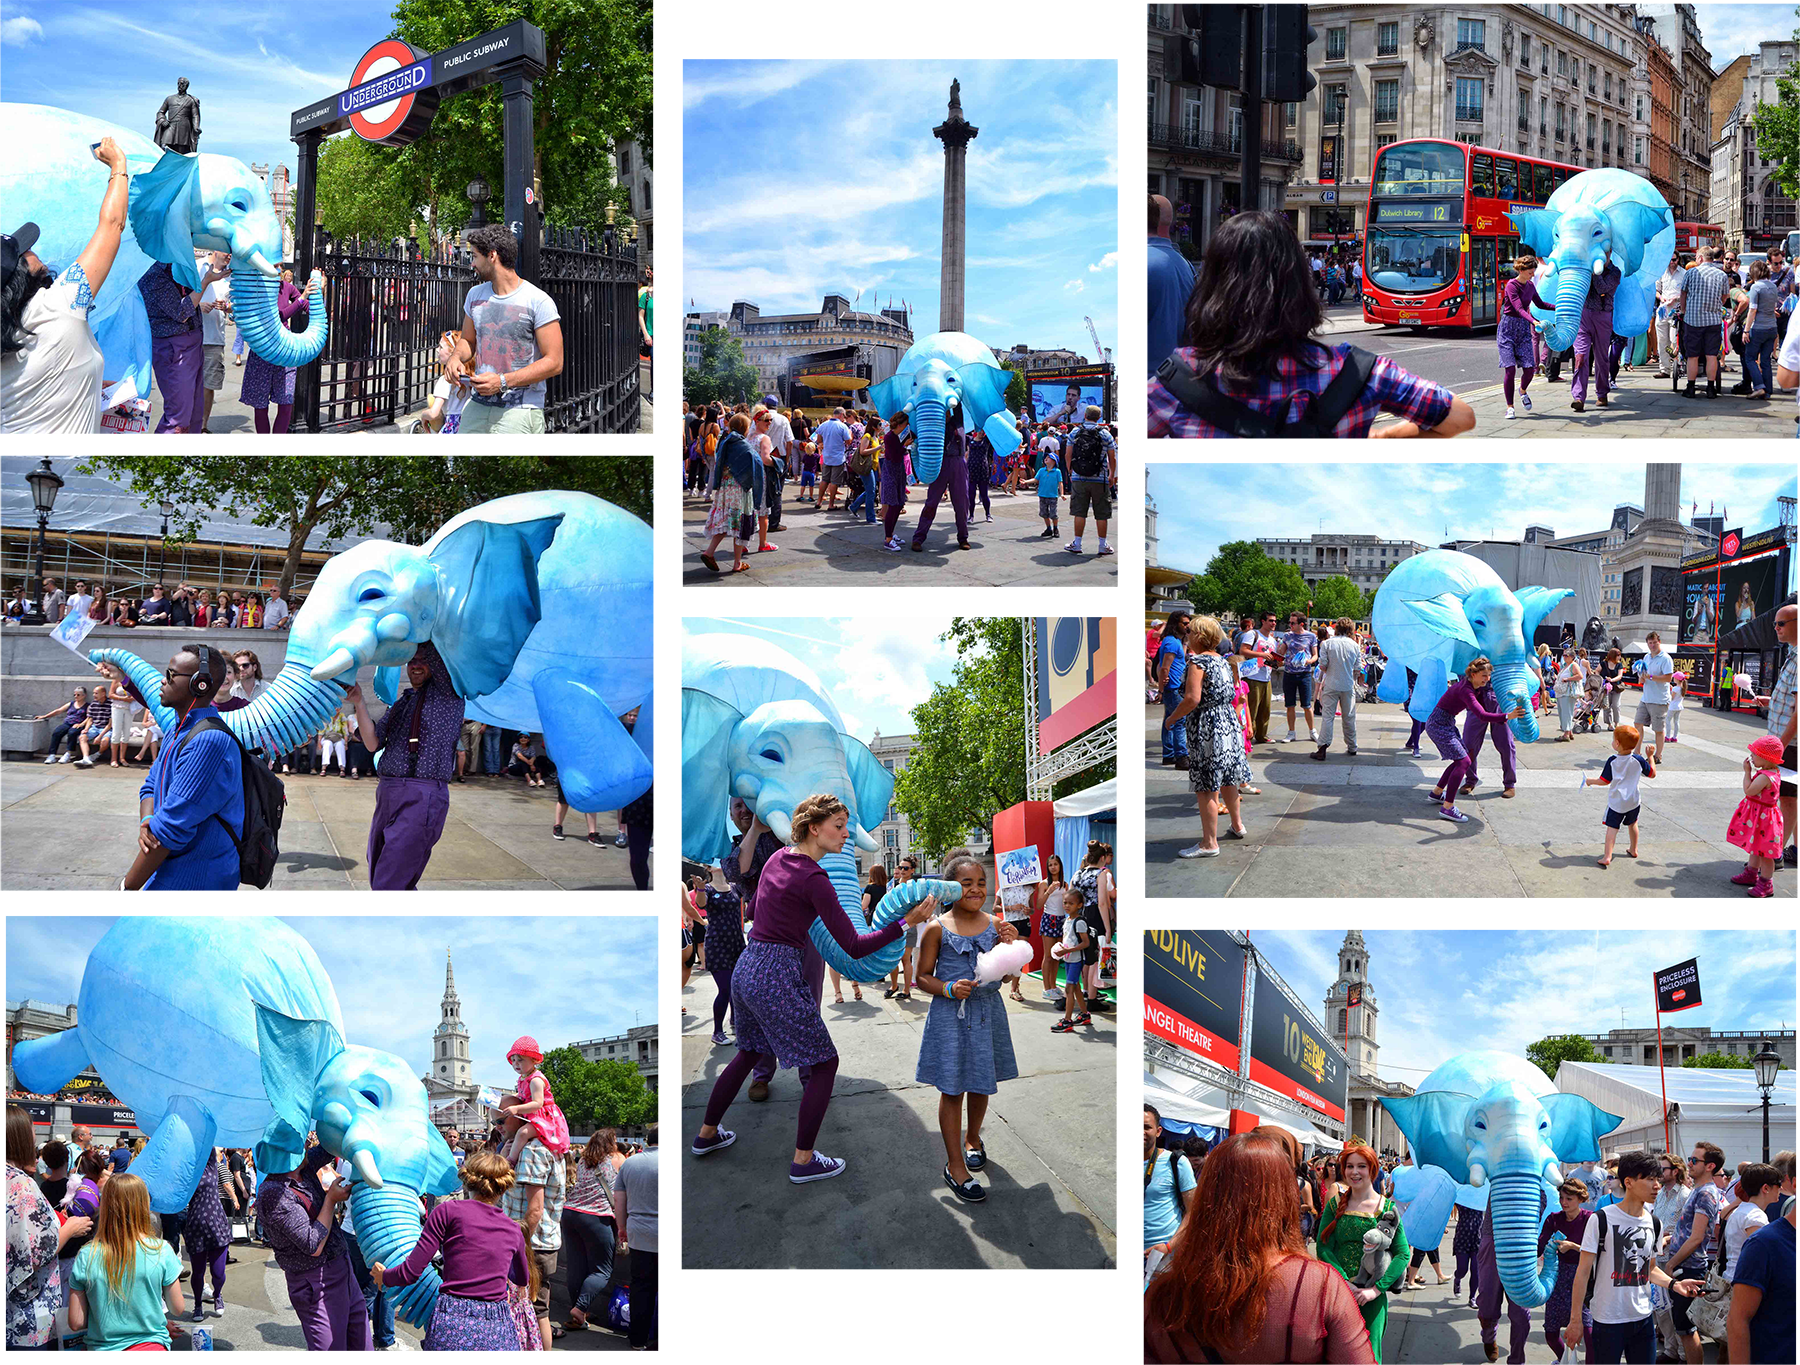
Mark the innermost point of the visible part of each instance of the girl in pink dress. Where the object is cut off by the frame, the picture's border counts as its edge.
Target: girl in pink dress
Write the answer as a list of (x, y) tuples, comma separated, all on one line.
[(533, 1113), (1756, 824)]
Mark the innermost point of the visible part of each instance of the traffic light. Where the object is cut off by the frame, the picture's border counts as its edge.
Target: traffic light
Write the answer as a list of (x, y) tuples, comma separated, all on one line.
[(1286, 38), (1221, 31)]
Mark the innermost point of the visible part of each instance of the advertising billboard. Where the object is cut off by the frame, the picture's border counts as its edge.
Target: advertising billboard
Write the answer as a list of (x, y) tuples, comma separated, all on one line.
[(1077, 659), (1678, 987), (1291, 1056), (1194, 992), (1721, 595), (1066, 400)]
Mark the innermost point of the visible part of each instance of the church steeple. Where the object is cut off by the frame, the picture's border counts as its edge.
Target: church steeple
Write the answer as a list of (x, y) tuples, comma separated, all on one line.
[(450, 1040), (1350, 1007)]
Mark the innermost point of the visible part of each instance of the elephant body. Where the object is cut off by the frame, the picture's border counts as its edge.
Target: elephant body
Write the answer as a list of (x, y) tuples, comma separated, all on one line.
[(1587, 215), (1495, 1121), (1440, 610), (178, 204), (940, 375), (539, 605)]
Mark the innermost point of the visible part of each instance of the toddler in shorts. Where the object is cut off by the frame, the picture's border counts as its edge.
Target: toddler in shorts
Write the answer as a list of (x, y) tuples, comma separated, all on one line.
[(1620, 777)]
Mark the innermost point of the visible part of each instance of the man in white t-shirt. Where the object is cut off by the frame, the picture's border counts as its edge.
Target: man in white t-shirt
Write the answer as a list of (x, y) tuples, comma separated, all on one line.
[(275, 612), (833, 437), (215, 290), (1256, 643), (1621, 1266), (781, 441), (1787, 364), (1654, 671), (511, 341), (1340, 665)]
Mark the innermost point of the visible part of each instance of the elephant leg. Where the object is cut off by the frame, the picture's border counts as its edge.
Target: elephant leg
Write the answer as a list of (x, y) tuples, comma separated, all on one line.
[(45, 1065), (177, 1152), (599, 766)]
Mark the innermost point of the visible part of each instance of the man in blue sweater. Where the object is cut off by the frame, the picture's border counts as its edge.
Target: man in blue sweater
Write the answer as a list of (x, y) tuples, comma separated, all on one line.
[(191, 806)]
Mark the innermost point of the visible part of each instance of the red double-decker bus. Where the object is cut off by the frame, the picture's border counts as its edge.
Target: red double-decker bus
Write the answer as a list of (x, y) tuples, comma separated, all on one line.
[(1693, 236), (1438, 244)]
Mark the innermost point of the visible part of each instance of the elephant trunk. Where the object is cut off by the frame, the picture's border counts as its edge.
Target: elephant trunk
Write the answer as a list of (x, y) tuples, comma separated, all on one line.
[(256, 299), (145, 677), (928, 421), (1515, 1208), (290, 709), (1571, 295), (1514, 686), (841, 868), (387, 1229)]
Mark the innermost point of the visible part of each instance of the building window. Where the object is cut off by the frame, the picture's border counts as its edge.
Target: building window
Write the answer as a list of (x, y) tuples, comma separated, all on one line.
[(1151, 93), (1525, 50), (1640, 108), (1334, 44), (1337, 100), (1640, 151), (1608, 84), (1469, 93), (1471, 33), (1593, 78), (1293, 113), (1562, 64), (1387, 39), (1387, 101)]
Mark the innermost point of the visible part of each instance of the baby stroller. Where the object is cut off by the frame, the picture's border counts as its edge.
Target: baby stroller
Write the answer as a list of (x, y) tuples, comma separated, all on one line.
[(1588, 710)]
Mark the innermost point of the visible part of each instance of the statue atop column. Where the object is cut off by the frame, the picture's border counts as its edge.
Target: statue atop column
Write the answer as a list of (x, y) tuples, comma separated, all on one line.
[(955, 98), (178, 121)]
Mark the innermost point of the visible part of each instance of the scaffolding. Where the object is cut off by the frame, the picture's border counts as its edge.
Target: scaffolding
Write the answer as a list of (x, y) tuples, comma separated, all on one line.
[(130, 565), (1044, 770)]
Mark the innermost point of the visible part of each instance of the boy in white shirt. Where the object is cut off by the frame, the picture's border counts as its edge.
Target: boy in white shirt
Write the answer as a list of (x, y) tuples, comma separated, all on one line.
[(1618, 1258), (1075, 940), (1620, 778)]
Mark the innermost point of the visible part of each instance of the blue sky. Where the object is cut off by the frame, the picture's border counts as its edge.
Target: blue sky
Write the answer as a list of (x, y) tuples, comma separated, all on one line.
[(1429, 503), (876, 669), (561, 980), (1454, 991), (1732, 30), (805, 178)]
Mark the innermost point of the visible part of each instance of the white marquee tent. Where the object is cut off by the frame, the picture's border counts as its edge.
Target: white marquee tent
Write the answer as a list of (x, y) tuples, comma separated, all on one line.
[(1197, 1104), (1722, 1107)]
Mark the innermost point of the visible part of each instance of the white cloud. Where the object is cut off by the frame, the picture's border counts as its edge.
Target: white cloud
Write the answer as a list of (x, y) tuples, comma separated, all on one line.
[(1076, 285), (20, 30), (1107, 262)]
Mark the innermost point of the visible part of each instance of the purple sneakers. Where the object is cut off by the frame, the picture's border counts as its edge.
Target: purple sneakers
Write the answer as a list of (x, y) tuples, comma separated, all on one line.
[(821, 1167), (723, 1138)]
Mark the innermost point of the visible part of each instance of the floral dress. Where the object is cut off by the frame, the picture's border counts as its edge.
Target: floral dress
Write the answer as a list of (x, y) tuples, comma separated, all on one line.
[(1215, 739), (34, 1287), (206, 1230), (1756, 824)]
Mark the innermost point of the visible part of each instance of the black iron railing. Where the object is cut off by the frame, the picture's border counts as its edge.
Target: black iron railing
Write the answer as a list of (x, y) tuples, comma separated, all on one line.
[(1466, 45), (1176, 137), (595, 287), (1468, 113)]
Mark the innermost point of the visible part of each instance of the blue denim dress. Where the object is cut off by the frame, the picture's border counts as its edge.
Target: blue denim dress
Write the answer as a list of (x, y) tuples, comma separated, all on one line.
[(967, 1047)]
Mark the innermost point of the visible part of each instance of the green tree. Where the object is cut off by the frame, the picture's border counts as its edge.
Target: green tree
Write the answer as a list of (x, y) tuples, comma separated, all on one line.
[(1018, 392), (1777, 128), (1550, 1053), (1338, 596), (369, 191), (595, 1095), (1721, 1061), (968, 758), (723, 375), (1241, 577)]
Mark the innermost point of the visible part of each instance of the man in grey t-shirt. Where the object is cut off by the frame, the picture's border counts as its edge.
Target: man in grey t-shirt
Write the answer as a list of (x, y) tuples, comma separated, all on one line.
[(511, 341), (1340, 665), (635, 1200)]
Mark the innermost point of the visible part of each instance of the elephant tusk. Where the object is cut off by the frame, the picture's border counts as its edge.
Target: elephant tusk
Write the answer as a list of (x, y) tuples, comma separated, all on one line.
[(364, 1165), (781, 825), (864, 840), (1553, 1173), (261, 262), (340, 660), (1477, 1175)]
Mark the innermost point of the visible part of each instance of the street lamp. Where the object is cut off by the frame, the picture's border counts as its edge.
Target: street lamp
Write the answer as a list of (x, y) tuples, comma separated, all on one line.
[(1767, 1063), (162, 563), (44, 482), (478, 195)]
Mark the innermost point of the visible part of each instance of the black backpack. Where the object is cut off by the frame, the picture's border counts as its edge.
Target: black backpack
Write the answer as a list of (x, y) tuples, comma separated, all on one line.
[(264, 801), (1238, 419), (1087, 454), (1600, 1248)]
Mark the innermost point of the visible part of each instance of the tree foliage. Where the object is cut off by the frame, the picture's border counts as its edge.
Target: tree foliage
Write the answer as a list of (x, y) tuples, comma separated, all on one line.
[(968, 757), (1337, 596), (1550, 1053), (370, 192), (1018, 392), (723, 375), (1777, 128), (1241, 578), (1721, 1061), (595, 1095)]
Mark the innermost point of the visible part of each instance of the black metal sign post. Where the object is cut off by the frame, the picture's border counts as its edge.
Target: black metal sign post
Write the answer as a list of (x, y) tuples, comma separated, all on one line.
[(514, 56)]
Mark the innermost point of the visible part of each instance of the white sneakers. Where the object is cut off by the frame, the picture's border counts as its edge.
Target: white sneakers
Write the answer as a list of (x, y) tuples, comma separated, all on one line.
[(1290, 738), (1197, 851), (1510, 414)]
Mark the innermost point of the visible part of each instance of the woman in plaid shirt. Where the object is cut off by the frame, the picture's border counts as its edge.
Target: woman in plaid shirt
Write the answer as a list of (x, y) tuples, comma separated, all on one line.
[(1250, 326)]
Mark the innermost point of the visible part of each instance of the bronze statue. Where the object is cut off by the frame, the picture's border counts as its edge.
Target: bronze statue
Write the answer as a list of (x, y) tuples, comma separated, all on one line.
[(178, 121)]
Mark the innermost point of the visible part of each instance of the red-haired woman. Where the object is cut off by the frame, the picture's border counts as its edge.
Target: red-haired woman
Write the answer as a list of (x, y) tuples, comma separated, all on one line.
[(1243, 1288), (1341, 1228)]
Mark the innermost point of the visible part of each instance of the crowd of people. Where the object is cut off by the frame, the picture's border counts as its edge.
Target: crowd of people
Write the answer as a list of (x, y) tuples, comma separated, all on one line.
[(743, 461), (89, 1266), (1254, 1252), (752, 935), (188, 605)]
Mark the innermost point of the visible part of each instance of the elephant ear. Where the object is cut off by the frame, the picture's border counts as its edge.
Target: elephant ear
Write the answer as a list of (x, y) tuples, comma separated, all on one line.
[(1633, 225), (487, 598), (1535, 604), (293, 1053), (441, 1176), (983, 390), (890, 395), (1444, 614), (873, 784), (1576, 1126), (387, 683), (706, 725), (1433, 1124), (162, 213), (1537, 228)]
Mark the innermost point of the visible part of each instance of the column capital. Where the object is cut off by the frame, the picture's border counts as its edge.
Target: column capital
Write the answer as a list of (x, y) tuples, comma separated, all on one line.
[(955, 132)]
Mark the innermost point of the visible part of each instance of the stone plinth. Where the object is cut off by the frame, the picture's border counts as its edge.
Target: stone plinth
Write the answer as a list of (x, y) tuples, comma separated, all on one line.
[(1650, 585)]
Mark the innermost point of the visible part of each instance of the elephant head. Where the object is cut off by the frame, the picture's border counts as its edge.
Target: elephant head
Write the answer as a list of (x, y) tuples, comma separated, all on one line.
[(369, 1109), (945, 382), (1592, 218), (1491, 1119), (215, 203)]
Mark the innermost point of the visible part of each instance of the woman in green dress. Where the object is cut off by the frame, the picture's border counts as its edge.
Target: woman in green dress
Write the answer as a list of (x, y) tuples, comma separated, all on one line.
[(1341, 1229)]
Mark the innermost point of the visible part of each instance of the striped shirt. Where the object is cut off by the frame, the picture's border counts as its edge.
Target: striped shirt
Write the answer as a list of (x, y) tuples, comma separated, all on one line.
[(1781, 700), (1704, 286), (1390, 389)]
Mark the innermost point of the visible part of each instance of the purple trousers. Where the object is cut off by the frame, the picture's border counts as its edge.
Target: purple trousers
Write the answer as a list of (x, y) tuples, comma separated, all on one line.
[(1474, 731), (409, 819), (332, 1313), (179, 365), (953, 477), (1593, 354), (812, 970), (1487, 1300)]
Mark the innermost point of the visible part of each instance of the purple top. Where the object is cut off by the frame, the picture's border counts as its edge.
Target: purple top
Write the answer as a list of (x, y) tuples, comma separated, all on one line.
[(745, 883), (1516, 295), (168, 301), (288, 1209), (1458, 697), (793, 893), (483, 1249), (439, 725), (1571, 1228)]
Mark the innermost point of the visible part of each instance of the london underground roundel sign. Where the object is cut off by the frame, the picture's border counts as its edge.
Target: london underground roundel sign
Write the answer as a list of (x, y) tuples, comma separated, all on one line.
[(391, 99)]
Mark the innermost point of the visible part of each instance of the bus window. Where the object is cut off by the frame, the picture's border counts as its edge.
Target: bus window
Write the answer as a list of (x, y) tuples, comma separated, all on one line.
[(1558, 175), (1545, 184), (1506, 177), (1481, 175), (1419, 168)]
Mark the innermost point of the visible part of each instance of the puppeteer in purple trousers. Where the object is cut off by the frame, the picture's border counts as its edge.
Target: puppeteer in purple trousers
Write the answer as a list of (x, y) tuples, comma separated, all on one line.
[(333, 1313), (1476, 729), (1593, 339), (1488, 1294), (953, 477), (417, 739)]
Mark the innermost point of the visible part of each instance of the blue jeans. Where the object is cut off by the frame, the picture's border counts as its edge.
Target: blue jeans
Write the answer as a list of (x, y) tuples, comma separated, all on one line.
[(864, 499), (490, 750), (381, 1308), (1174, 742), (1759, 358), (589, 1243)]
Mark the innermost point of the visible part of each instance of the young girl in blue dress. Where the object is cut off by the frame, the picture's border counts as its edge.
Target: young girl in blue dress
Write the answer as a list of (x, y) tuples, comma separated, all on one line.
[(967, 1047)]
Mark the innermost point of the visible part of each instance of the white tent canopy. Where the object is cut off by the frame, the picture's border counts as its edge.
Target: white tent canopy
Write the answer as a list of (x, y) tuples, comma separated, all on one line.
[(1094, 800), (1209, 1106), (1722, 1107)]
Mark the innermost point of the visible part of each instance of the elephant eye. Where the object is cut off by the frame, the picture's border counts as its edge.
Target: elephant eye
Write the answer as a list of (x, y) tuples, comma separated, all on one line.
[(773, 755), (1479, 1124), (371, 1097), (370, 595), (1480, 622), (241, 205)]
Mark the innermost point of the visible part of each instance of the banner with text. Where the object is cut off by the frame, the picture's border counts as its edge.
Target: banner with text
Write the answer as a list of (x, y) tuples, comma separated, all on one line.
[(1292, 1057), (1678, 987), (1194, 992)]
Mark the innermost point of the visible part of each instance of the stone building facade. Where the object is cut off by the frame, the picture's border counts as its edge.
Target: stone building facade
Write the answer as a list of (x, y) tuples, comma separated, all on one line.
[(1693, 166), (769, 342), (1350, 1016), (1637, 1046), (1754, 212), (1365, 560)]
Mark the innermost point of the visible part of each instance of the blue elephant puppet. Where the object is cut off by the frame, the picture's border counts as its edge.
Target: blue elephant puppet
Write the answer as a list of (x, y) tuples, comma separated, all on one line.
[(226, 1032), (178, 204), (947, 383), (528, 612)]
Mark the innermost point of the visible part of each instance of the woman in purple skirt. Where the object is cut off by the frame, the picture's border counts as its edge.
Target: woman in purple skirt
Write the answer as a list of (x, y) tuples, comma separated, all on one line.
[(1517, 334), (775, 1011)]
